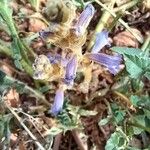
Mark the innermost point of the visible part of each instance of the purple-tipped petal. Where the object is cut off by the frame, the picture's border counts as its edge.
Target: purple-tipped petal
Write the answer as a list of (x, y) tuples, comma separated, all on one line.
[(58, 102), (100, 41), (71, 69), (84, 19), (110, 62)]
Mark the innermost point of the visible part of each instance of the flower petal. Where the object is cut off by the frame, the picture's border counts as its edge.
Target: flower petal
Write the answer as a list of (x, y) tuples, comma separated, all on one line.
[(71, 69), (56, 59), (111, 62), (100, 41), (58, 102), (84, 19)]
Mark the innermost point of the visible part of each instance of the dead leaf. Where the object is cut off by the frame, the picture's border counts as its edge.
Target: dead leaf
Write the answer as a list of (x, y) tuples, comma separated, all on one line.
[(6, 69), (12, 98), (35, 24), (125, 38)]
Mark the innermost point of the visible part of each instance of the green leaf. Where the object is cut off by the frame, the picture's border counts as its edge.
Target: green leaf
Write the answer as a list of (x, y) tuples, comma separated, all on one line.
[(137, 66), (54, 131), (4, 127), (44, 89), (134, 100), (18, 47), (104, 121), (137, 63), (137, 130), (8, 82), (118, 113), (79, 3), (114, 140), (126, 50)]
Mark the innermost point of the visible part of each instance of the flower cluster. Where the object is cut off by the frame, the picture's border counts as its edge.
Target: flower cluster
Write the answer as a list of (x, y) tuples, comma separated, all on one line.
[(63, 67)]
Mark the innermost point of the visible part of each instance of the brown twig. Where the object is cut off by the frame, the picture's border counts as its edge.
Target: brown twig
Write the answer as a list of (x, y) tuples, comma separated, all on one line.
[(25, 127), (57, 141), (78, 140)]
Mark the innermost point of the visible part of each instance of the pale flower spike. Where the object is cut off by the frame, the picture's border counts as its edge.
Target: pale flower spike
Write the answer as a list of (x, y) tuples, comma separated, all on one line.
[(84, 20), (71, 69), (100, 41), (112, 63), (58, 102)]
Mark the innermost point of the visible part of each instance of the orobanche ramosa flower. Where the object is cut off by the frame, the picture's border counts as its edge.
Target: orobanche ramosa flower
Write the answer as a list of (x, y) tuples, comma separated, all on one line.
[(70, 35)]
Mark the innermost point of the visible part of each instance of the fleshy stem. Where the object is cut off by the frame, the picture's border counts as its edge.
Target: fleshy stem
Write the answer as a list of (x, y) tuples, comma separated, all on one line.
[(120, 20), (111, 12), (126, 6), (101, 24), (146, 45)]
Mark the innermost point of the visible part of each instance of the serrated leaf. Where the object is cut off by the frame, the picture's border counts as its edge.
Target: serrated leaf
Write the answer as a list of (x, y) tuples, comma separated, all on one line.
[(113, 141), (126, 50), (137, 66), (117, 141)]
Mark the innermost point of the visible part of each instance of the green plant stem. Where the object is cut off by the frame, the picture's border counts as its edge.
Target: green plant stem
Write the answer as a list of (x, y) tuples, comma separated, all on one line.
[(126, 100), (36, 93), (19, 51), (5, 50), (100, 26), (126, 6), (107, 14), (120, 20), (139, 126), (146, 44), (14, 82)]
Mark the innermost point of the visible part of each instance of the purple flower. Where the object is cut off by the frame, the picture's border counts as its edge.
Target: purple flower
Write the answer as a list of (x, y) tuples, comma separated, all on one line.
[(57, 58), (44, 34), (54, 59), (84, 19), (110, 62), (71, 69), (58, 102), (100, 41)]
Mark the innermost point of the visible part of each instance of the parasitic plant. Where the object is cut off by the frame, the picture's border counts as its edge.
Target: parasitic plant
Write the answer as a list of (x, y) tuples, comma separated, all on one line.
[(70, 35)]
